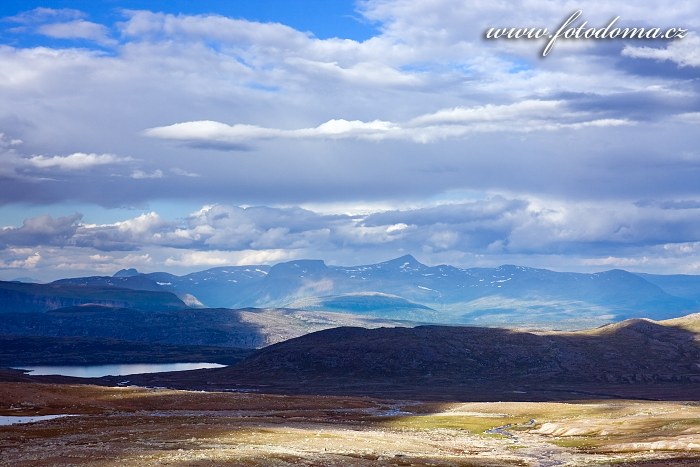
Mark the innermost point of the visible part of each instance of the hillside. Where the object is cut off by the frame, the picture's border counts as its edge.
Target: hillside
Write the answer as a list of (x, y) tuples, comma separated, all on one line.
[(27, 298), (634, 350), (369, 304), (244, 328), (635, 358)]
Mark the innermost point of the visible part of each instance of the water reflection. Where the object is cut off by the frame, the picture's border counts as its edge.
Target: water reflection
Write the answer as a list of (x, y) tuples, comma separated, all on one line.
[(96, 371), (6, 420)]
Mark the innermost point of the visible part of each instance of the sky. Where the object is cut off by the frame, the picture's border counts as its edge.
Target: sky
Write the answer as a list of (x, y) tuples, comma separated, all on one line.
[(180, 135)]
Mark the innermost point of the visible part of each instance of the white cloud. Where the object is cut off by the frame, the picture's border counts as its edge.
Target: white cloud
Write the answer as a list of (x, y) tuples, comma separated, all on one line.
[(199, 258), (225, 258), (41, 14), (362, 74), (99, 257), (30, 262), (77, 260), (506, 225), (183, 172), (41, 230), (140, 174), (240, 133), (616, 262), (444, 239), (145, 223), (491, 231), (77, 29), (683, 52), (490, 112), (274, 36), (76, 161), (263, 257), (528, 116)]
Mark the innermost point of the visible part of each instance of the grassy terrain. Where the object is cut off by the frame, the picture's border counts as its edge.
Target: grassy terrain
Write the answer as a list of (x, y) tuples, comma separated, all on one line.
[(138, 426)]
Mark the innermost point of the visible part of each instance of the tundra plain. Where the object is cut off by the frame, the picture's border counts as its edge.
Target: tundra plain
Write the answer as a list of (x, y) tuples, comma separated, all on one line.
[(142, 426)]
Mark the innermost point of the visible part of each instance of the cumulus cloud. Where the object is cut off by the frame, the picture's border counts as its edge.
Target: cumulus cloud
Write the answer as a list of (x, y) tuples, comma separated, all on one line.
[(206, 259), (487, 231), (76, 161), (684, 53), (18, 260), (525, 116), (131, 234), (41, 230), (61, 23), (216, 132), (496, 225), (152, 25), (78, 29), (211, 82), (518, 225)]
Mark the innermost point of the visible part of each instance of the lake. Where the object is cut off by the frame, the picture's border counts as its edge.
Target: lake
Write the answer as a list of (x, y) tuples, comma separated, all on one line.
[(96, 371), (6, 420)]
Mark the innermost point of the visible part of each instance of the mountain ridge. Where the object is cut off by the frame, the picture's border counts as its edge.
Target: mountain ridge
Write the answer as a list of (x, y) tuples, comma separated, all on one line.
[(508, 294)]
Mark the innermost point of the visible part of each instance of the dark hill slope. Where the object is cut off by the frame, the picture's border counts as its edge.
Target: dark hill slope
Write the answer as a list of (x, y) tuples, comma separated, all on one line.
[(244, 328), (426, 358), (208, 327), (21, 297)]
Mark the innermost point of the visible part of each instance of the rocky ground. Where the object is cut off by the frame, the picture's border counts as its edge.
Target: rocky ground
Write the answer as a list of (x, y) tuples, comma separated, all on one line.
[(138, 426)]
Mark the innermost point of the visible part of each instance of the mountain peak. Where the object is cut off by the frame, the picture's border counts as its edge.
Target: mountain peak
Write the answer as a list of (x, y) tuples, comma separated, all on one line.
[(299, 266), (131, 272), (405, 262)]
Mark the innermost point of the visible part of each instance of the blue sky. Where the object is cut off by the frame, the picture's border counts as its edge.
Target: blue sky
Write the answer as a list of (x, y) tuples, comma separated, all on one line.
[(324, 19), (183, 135)]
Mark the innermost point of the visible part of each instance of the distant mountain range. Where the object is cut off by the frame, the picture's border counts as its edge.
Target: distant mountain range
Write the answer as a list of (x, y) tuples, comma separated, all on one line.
[(405, 289)]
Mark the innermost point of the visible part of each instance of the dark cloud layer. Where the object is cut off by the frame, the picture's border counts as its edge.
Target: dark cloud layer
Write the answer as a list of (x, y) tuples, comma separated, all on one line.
[(42, 230)]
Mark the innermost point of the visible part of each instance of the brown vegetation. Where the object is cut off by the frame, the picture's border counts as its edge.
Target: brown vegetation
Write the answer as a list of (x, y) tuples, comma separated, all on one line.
[(138, 426)]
